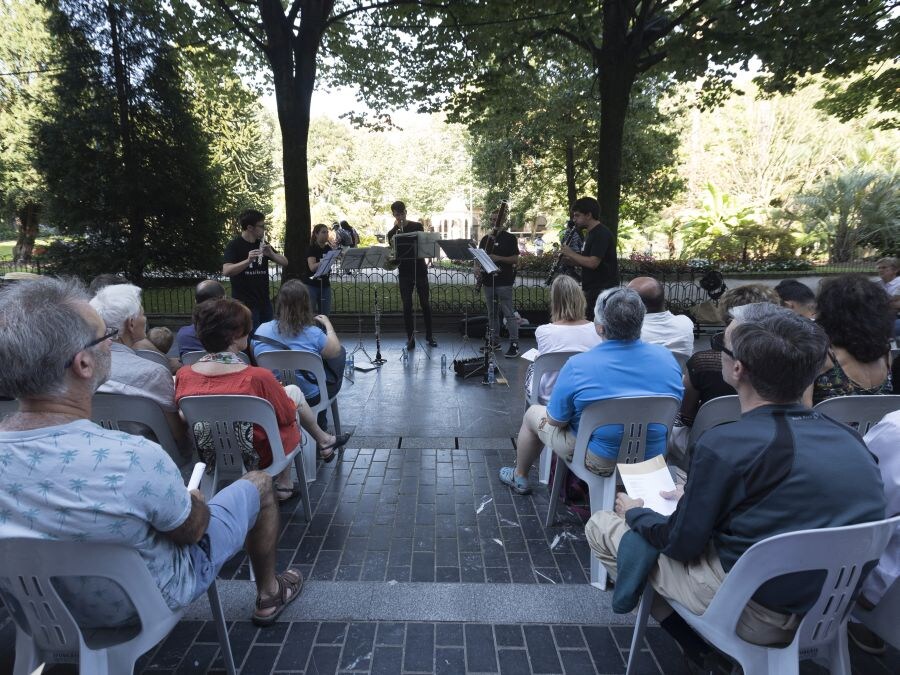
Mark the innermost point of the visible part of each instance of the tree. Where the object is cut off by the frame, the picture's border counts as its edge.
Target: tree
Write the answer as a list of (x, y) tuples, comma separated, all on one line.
[(483, 43), (126, 164), (25, 51)]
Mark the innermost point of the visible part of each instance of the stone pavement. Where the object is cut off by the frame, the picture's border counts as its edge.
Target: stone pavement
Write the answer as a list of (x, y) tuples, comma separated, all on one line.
[(417, 559)]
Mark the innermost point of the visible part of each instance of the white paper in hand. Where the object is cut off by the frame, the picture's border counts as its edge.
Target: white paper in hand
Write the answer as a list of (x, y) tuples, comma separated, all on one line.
[(645, 480), (196, 476)]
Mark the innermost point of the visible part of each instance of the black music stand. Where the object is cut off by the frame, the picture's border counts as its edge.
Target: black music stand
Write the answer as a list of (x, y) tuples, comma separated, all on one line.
[(458, 249)]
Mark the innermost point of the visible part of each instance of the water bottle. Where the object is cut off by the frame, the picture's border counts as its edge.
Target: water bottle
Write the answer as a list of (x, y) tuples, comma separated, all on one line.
[(404, 356), (350, 366), (491, 374), (443, 363)]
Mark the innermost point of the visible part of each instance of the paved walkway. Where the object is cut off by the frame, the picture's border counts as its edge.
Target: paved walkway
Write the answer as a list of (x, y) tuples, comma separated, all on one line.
[(417, 560)]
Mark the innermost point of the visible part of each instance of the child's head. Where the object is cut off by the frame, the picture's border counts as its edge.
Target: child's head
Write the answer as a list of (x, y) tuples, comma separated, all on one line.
[(162, 338)]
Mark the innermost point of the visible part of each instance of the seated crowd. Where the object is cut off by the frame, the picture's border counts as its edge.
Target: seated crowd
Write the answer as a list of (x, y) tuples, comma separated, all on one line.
[(782, 351)]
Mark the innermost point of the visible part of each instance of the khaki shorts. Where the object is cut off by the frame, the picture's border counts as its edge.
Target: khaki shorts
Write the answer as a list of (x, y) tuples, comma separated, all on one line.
[(561, 440), (692, 584)]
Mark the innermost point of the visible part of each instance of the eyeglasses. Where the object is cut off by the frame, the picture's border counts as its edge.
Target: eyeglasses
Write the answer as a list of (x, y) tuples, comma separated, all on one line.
[(717, 343), (111, 334)]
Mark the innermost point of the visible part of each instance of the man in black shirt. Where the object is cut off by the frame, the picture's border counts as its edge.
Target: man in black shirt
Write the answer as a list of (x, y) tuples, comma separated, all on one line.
[(498, 288), (246, 261), (412, 274), (598, 259), (781, 468), (320, 287)]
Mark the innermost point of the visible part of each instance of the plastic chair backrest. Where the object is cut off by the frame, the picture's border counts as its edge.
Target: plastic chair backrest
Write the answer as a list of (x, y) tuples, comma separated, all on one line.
[(110, 410), (190, 358), (841, 552), (151, 355), (884, 620), (31, 564), (682, 360), (634, 414), (221, 413), (859, 412), (714, 412), (551, 362), (286, 363)]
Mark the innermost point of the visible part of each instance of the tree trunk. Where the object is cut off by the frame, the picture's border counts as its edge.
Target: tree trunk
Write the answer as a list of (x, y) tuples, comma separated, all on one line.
[(27, 221), (616, 62), (571, 188)]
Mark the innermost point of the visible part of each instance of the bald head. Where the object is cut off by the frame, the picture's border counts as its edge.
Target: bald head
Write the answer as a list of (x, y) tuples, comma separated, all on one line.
[(207, 290), (651, 292)]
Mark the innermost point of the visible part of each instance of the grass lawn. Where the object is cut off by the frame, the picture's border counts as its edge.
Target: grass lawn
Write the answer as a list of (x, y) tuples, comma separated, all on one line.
[(6, 247)]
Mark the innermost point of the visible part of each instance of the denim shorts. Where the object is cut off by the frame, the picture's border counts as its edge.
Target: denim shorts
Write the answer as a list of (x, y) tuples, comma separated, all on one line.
[(232, 512)]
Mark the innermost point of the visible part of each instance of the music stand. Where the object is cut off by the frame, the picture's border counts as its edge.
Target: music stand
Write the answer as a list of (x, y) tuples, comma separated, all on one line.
[(324, 269), (490, 268), (458, 249)]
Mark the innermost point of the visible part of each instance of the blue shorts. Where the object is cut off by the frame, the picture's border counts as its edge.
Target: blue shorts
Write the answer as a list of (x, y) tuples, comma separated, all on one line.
[(232, 512)]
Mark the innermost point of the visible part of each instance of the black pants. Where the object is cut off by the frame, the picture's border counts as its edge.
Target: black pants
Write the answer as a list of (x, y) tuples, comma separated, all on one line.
[(420, 283), (591, 295)]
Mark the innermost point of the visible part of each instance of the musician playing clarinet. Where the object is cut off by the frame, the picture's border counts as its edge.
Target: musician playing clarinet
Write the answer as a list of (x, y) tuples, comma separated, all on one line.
[(597, 258), (498, 291), (412, 274)]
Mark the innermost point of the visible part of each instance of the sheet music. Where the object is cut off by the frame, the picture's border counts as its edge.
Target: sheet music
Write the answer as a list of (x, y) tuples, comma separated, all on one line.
[(530, 355), (326, 262), (645, 480), (488, 265)]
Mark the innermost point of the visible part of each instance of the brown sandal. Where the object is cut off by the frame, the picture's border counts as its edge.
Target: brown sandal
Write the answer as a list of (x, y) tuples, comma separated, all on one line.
[(289, 580)]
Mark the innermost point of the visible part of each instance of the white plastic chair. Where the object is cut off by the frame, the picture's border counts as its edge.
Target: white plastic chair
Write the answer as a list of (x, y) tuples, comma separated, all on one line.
[(714, 412), (635, 415), (841, 552), (682, 360), (286, 363), (156, 357), (190, 358), (222, 413), (544, 364), (859, 412), (884, 619), (110, 410), (45, 629)]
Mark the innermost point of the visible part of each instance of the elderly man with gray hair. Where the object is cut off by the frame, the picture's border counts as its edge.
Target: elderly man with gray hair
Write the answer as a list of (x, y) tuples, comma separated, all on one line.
[(65, 478), (620, 366), (781, 468)]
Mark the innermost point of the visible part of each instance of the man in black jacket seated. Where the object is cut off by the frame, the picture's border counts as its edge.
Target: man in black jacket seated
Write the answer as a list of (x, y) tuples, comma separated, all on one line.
[(781, 468)]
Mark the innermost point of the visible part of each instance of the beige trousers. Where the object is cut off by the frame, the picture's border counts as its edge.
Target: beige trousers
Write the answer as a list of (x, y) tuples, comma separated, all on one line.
[(561, 440), (692, 584)]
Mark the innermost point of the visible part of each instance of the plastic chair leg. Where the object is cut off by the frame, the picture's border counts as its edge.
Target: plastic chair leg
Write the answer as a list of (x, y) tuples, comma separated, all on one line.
[(559, 477), (304, 488), (221, 628), (598, 493), (640, 625), (839, 657), (336, 418), (27, 656), (544, 465)]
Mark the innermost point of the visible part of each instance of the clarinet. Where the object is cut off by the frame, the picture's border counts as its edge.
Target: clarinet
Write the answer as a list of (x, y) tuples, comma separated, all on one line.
[(571, 231), (378, 358)]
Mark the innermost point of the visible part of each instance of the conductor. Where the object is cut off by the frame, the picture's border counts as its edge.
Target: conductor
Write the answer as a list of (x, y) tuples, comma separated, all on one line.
[(412, 274)]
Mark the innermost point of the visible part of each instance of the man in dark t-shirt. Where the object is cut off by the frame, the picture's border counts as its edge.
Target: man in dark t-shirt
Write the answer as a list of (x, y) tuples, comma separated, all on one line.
[(598, 259), (504, 251), (412, 273), (246, 262)]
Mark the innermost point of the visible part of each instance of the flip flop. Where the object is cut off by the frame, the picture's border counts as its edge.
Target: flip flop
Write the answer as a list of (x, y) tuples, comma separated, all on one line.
[(289, 580)]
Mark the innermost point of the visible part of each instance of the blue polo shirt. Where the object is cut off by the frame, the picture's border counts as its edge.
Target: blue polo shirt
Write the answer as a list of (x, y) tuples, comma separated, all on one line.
[(615, 369)]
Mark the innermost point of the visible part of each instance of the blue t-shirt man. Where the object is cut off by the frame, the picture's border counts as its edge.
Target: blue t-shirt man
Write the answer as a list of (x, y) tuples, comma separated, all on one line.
[(615, 369), (310, 339)]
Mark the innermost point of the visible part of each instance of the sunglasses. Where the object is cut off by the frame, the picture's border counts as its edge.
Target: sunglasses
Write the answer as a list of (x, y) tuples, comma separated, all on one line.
[(717, 343), (111, 334)]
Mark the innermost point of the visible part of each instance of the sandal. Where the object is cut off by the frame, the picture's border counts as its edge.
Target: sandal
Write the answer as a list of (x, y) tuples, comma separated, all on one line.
[(289, 580), (286, 493), (517, 484), (339, 442)]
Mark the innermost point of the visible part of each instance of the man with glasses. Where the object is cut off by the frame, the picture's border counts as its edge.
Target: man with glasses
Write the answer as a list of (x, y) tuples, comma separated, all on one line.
[(246, 262), (781, 468), (65, 478)]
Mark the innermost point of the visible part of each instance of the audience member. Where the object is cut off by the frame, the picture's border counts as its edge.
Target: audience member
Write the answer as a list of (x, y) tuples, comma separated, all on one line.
[(781, 468), (319, 288), (703, 374), (95, 485), (883, 440), (889, 279), (187, 335), (295, 327), (223, 326), (120, 308), (162, 338), (854, 313), (568, 330), (661, 327), (797, 297), (622, 365)]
